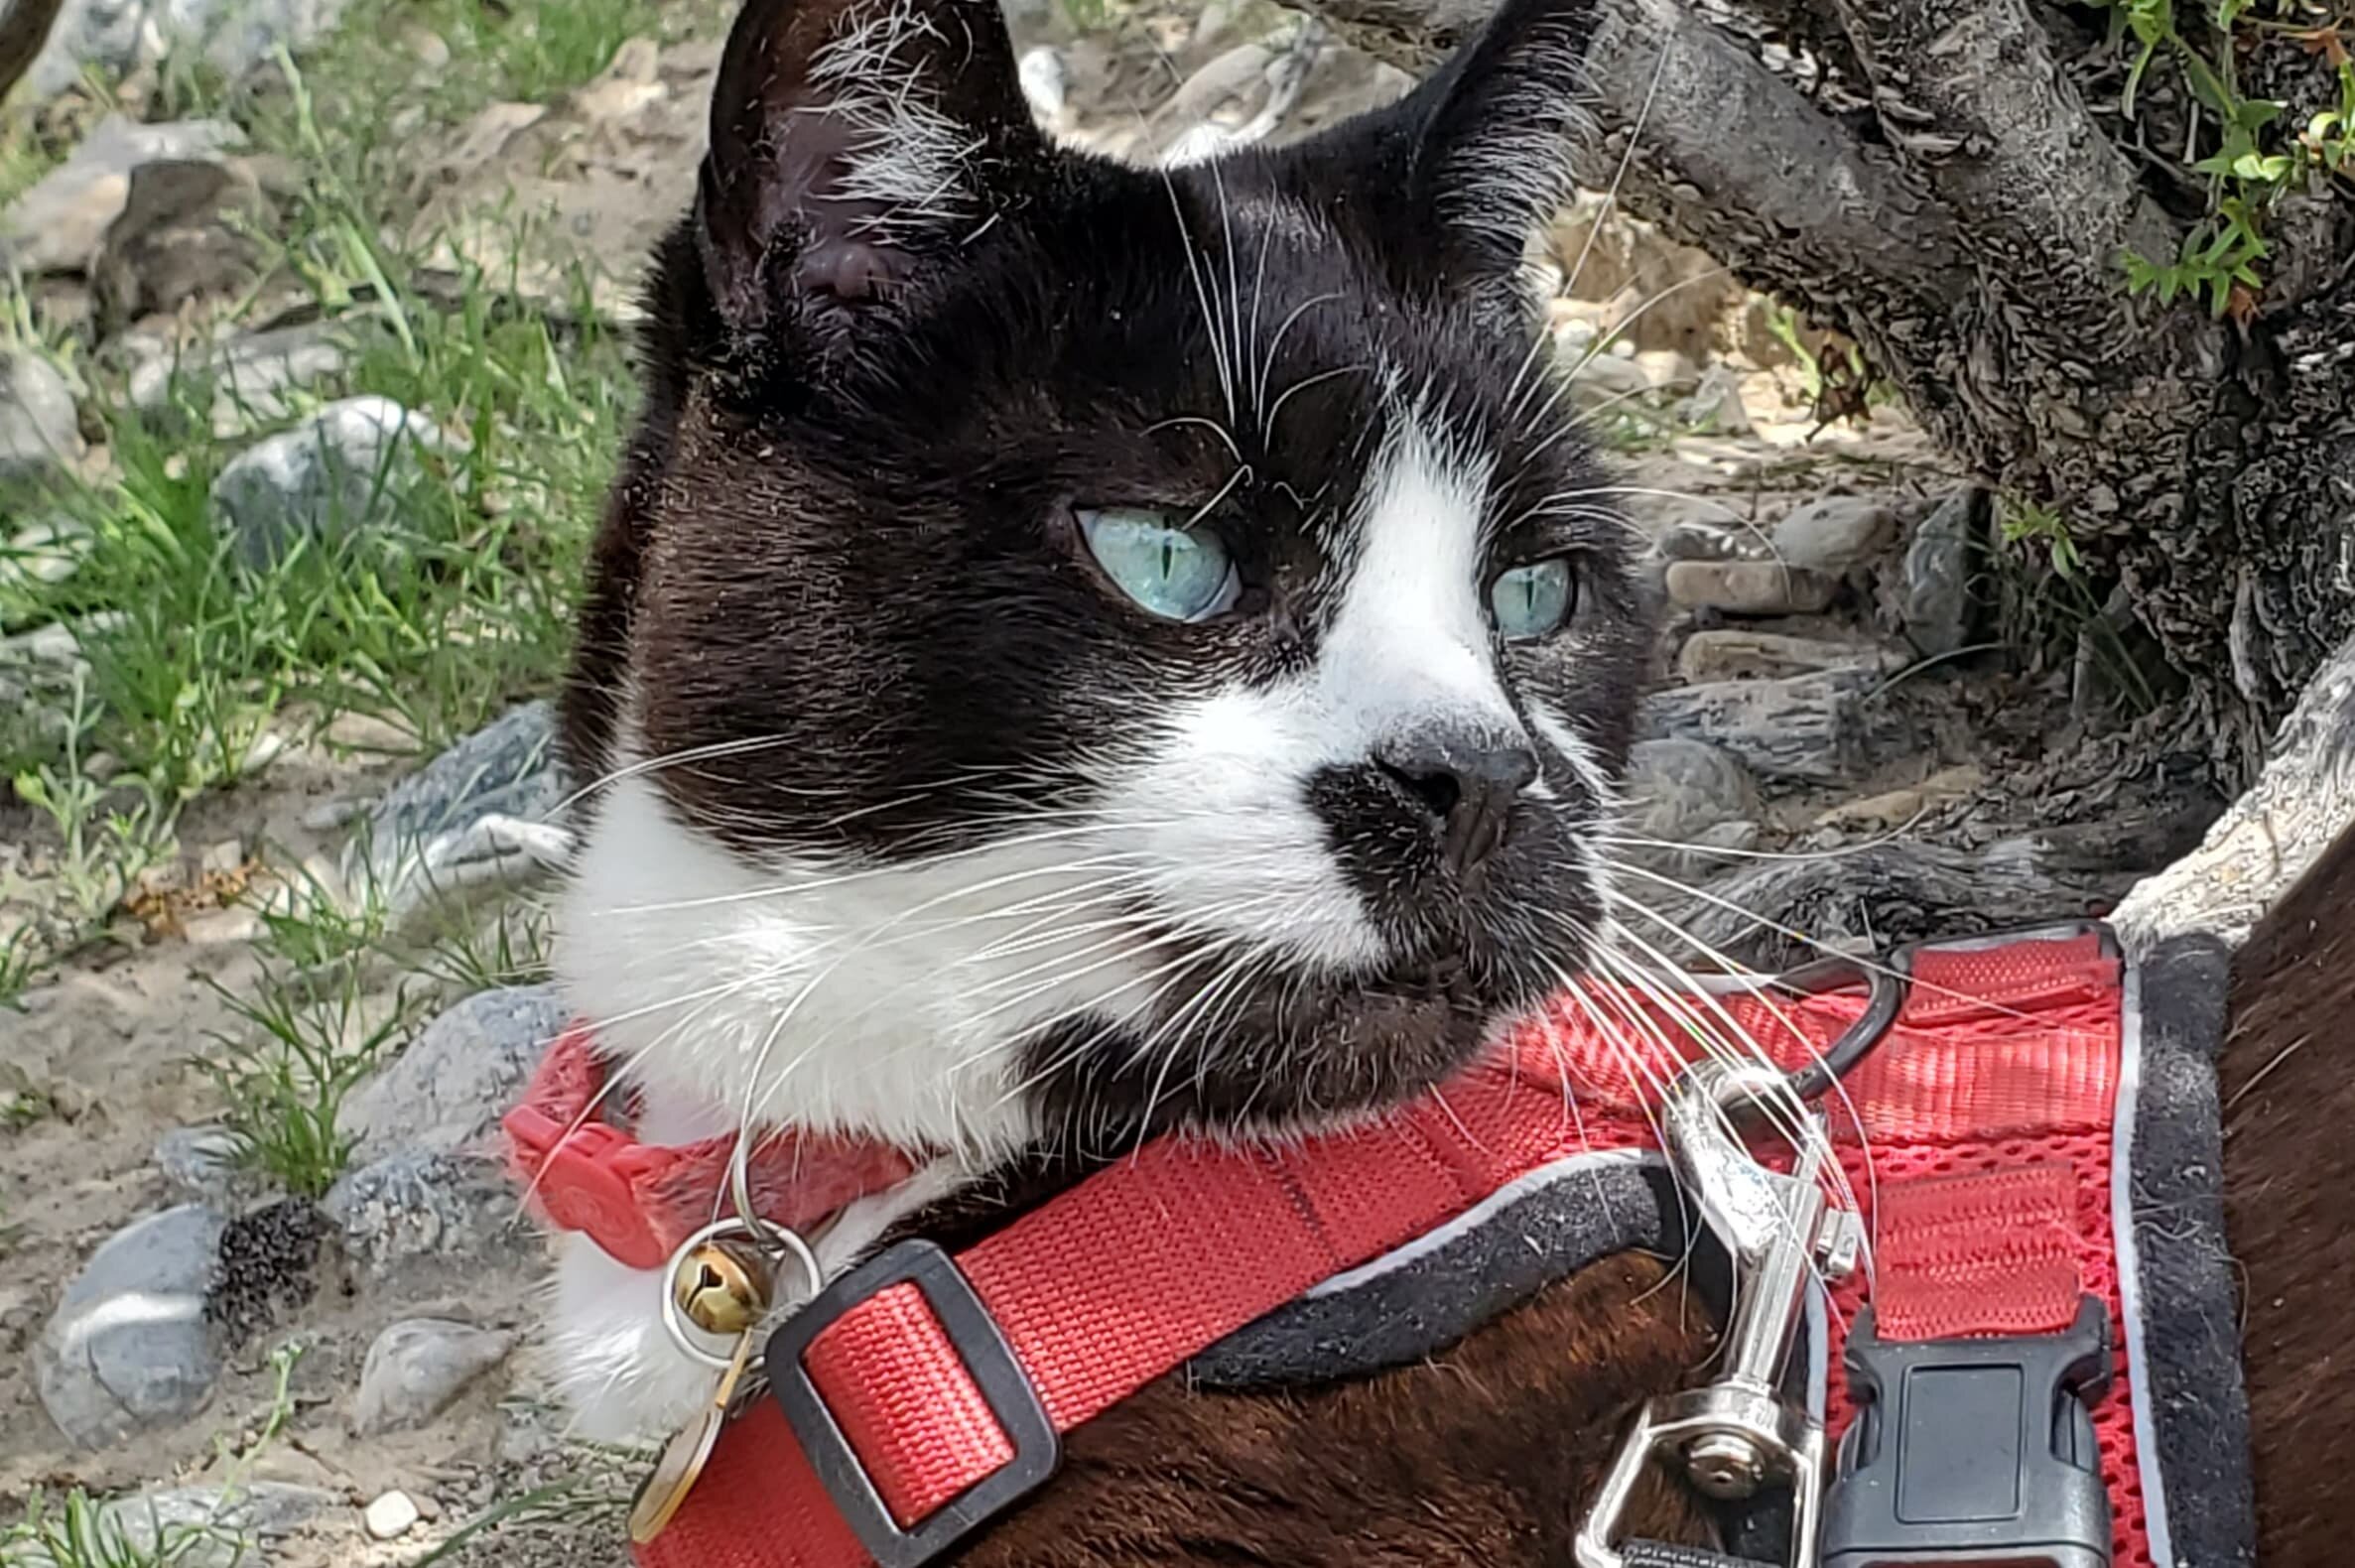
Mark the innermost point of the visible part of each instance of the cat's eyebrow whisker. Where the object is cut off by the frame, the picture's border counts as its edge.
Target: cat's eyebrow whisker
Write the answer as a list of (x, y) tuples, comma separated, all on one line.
[(1619, 329), (1213, 426), (1202, 296), (1517, 393), (1618, 175), (1268, 426), (1267, 361)]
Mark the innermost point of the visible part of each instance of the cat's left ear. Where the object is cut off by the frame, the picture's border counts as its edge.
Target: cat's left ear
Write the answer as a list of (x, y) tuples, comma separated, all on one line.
[(853, 144), (1477, 158)]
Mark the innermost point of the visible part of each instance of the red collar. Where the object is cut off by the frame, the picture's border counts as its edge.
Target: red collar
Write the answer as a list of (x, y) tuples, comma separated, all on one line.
[(641, 1202), (921, 1394)]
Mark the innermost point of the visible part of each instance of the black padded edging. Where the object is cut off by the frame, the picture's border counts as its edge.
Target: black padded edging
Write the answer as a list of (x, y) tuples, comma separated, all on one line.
[(2192, 1398), (1422, 1306)]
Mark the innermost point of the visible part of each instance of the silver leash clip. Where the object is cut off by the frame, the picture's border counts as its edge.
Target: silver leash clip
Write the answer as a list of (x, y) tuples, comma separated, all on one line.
[(1738, 1435)]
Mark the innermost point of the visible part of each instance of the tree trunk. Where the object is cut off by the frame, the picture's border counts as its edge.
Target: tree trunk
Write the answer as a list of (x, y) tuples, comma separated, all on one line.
[(1928, 177)]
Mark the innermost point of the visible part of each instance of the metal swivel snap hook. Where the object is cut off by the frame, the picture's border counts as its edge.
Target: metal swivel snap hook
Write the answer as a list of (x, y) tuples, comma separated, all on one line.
[(1739, 1434)]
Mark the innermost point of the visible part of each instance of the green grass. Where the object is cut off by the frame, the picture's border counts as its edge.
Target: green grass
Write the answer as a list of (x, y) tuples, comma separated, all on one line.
[(77, 1532), (453, 600), (309, 1042)]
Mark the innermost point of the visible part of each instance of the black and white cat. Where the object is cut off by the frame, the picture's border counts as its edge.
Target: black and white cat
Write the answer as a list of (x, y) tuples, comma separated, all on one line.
[(1078, 651)]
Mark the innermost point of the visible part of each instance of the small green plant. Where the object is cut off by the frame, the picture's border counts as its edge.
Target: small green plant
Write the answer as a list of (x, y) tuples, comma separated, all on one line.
[(21, 962), (312, 1039), (102, 847), (2032, 522), (77, 1531), (511, 948), (2252, 165)]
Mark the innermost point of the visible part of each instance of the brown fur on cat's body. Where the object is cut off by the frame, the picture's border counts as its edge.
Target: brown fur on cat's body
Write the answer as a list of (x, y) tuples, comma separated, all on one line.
[(2289, 1211), (1489, 1453)]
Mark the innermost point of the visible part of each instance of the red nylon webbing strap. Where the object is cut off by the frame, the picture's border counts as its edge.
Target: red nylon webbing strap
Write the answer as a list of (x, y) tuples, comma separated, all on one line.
[(1985, 1253), (1123, 1277)]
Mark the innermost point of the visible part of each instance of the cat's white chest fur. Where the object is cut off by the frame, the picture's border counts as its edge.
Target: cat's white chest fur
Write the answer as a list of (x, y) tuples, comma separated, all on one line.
[(889, 1004)]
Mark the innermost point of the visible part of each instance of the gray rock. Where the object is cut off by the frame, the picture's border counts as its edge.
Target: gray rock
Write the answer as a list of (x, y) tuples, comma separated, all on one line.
[(1749, 588), (1939, 565), (446, 1091), (249, 377), (1821, 728), (202, 1162), (187, 233), (44, 553), (419, 1204), (56, 227), (1834, 534), (1679, 787), (39, 433), (1738, 653), (209, 1526), (350, 467), (1602, 381), (417, 1367), (119, 36), (128, 1347), (482, 812), (1696, 541), (1716, 405)]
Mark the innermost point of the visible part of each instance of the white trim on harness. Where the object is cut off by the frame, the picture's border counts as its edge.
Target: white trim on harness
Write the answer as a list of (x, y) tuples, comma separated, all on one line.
[(2130, 1286)]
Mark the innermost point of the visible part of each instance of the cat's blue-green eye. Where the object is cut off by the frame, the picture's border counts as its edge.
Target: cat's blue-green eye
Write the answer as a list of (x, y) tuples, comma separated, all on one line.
[(1179, 574), (1533, 600)]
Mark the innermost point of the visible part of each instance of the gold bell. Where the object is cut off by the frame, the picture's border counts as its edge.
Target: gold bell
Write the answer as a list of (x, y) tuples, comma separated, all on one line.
[(721, 1288)]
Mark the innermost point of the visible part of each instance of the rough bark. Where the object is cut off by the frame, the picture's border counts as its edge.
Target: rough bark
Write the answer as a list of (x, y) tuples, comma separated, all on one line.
[(1936, 183), (24, 28)]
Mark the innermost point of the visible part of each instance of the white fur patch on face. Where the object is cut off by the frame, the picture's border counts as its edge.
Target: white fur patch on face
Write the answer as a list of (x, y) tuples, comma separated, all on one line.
[(1220, 809), (889, 1002)]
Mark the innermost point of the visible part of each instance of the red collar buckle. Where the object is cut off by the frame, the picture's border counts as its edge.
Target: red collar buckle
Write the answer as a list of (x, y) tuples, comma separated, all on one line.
[(585, 1178)]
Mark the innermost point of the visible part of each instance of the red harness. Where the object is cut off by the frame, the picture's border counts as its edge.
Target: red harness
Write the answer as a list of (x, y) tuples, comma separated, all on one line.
[(921, 1396)]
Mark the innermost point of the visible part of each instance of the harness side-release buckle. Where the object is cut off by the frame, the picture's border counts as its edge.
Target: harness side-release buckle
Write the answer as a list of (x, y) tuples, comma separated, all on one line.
[(1972, 1453)]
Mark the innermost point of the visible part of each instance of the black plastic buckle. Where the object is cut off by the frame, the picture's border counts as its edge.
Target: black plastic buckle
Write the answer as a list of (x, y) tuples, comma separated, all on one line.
[(990, 1360), (1973, 1451)]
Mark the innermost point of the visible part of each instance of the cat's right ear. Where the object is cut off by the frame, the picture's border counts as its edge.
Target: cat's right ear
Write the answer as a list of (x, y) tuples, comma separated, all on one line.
[(855, 143)]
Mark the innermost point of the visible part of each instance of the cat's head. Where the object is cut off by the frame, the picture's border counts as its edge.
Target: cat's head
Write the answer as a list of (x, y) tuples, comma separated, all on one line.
[(1094, 647)]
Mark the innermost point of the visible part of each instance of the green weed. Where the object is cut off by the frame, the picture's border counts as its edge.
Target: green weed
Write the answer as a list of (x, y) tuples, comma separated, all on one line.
[(102, 844), (2252, 163), (312, 1039)]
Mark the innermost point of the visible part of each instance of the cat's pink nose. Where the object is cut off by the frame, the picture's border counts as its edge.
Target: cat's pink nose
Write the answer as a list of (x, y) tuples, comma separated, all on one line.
[(1464, 781)]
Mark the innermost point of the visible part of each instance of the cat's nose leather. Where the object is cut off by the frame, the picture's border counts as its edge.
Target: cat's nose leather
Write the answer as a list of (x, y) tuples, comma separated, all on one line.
[(1465, 780)]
